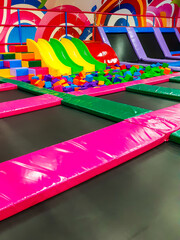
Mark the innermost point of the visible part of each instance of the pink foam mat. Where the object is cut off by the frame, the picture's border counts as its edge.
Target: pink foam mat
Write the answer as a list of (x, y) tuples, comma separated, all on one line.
[(20, 106), (122, 86), (7, 87), (166, 120), (35, 177)]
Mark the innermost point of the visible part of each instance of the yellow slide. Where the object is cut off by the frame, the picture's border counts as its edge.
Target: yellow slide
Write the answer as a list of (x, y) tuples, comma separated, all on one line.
[(44, 51), (75, 56)]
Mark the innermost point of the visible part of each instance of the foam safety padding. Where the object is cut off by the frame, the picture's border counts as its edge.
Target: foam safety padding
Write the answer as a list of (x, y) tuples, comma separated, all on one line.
[(120, 87), (175, 137), (18, 48), (35, 177), (36, 90), (39, 70), (104, 108), (175, 79), (5, 56), (7, 87), (166, 120), (12, 63), (20, 71), (162, 92), (20, 106)]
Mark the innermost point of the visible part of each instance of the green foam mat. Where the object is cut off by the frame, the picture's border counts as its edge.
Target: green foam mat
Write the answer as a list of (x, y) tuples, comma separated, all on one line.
[(175, 137), (104, 108), (162, 92), (175, 79)]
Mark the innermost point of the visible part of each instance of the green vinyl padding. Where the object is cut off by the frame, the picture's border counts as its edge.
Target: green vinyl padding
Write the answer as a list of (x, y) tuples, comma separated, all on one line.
[(162, 92), (113, 111), (175, 79), (36, 90), (175, 137)]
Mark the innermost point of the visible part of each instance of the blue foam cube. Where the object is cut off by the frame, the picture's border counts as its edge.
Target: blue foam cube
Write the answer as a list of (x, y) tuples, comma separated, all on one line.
[(48, 84), (89, 78), (128, 72), (35, 77)]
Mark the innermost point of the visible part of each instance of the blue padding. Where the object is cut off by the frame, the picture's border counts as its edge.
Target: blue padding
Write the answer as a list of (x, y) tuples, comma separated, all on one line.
[(143, 29), (115, 29), (175, 52), (167, 30), (175, 64)]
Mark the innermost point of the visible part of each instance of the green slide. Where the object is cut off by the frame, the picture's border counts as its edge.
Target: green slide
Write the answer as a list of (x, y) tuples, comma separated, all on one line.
[(62, 55), (84, 52)]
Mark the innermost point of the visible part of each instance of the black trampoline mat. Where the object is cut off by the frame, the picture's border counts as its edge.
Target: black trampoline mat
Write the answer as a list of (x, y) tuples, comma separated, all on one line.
[(169, 85), (122, 46), (139, 100), (150, 45), (138, 200), (172, 41), (29, 132), (12, 95)]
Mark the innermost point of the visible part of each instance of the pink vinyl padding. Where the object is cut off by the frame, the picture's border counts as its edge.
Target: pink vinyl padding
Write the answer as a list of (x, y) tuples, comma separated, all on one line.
[(7, 87), (166, 120), (122, 86), (35, 177), (20, 106)]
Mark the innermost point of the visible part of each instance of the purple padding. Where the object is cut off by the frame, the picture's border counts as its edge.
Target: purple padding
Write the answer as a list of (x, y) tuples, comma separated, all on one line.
[(162, 44), (136, 43), (166, 120), (37, 176), (7, 87), (20, 106), (177, 34), (103, 36), (139, 49)]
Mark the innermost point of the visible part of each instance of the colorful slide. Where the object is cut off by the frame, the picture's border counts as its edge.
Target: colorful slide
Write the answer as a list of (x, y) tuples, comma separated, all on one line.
[(102, 52), (75, 55), (62, 55), (84, 52), (44, 51)]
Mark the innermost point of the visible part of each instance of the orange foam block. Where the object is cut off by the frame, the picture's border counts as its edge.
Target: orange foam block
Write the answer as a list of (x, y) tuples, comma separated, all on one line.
[(101, 83), (40, 83), (167, 71), (30, 76), (56, 84)]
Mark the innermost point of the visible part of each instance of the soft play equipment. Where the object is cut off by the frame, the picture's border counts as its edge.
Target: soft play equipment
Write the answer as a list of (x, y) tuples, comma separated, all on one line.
[(172, 39), (20, 106), (102, 52), (81, 158), (62, 55), (84, 52), (175, 137), (163, 45), (114, 75), (43, 51), (75, 55), (137, 37), (169, 93), (142, 130), (107, 109)]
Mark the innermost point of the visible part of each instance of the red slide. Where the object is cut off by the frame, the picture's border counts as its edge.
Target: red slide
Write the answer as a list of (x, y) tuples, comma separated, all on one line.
[(102, 52)]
